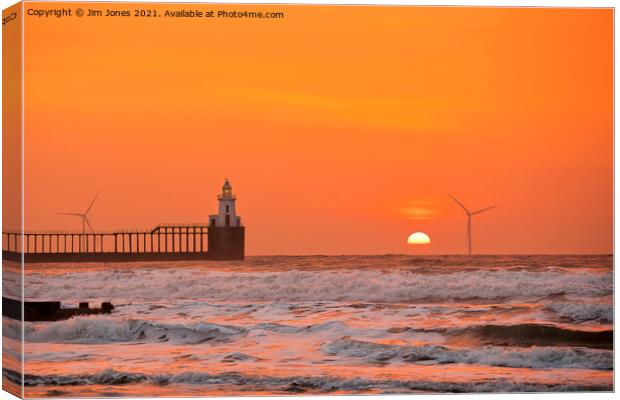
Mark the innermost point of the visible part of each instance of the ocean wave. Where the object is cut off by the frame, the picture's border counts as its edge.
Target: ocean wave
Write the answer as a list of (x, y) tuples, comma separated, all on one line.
[(342, 285), (107, 330), (296, 384), (11, 283), (97, 329), (313, 328), (583, 312), (11, 328), (535, 357), (535, 335)]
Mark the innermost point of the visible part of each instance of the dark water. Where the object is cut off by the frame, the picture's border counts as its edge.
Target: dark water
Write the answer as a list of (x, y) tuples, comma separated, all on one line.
[(350, 324)]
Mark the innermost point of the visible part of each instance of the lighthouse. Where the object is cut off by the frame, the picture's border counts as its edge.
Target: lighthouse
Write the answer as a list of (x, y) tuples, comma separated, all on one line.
[(227, 214), (226, 234)]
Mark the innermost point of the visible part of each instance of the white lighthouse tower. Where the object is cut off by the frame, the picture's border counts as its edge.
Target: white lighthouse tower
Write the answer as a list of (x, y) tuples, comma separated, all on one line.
[(227, 214)]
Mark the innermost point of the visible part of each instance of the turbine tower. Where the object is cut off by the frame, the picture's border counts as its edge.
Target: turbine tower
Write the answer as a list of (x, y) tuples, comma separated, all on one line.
[(469, 214), (84, 217)]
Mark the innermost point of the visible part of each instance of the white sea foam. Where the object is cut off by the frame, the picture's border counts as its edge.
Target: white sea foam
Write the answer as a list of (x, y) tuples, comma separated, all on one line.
[(343, 285), (98, 329), (583, 312), (106, 330), (535, 357)]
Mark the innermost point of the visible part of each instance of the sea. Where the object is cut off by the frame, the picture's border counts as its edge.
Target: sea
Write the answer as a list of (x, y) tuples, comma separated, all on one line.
[(285, 325)]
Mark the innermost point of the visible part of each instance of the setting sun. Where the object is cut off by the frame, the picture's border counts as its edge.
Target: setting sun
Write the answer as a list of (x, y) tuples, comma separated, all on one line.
[(418, 238)]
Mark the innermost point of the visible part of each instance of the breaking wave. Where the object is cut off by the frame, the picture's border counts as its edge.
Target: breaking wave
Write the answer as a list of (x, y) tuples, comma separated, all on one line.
[(536, 357), (342, 285), (105, 330), (583, 312), (295, 384)]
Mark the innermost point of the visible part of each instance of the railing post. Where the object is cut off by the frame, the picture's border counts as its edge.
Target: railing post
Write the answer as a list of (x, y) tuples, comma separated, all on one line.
[(174, 234), (186, 239), (193, 239)]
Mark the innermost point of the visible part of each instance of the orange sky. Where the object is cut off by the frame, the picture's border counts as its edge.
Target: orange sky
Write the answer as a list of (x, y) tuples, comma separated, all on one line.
[(337, 126)]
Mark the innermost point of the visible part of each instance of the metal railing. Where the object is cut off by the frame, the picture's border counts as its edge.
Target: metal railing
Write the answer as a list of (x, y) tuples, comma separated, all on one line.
[(164, 238)]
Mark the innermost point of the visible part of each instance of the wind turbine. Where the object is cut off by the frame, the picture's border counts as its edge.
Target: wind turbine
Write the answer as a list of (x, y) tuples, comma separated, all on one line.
[(469, 214), (84, 217)]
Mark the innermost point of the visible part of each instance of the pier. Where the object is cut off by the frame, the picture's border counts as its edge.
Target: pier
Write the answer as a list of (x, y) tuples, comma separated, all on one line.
[(222, 238), (165, 242)]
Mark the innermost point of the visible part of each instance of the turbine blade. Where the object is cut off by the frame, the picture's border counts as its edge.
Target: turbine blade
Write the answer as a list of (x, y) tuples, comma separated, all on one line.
[(484, 209), (89, 225), (459, 203), (91, 204)]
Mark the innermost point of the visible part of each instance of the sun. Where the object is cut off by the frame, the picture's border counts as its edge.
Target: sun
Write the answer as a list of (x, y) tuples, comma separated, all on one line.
[(418, 238)]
